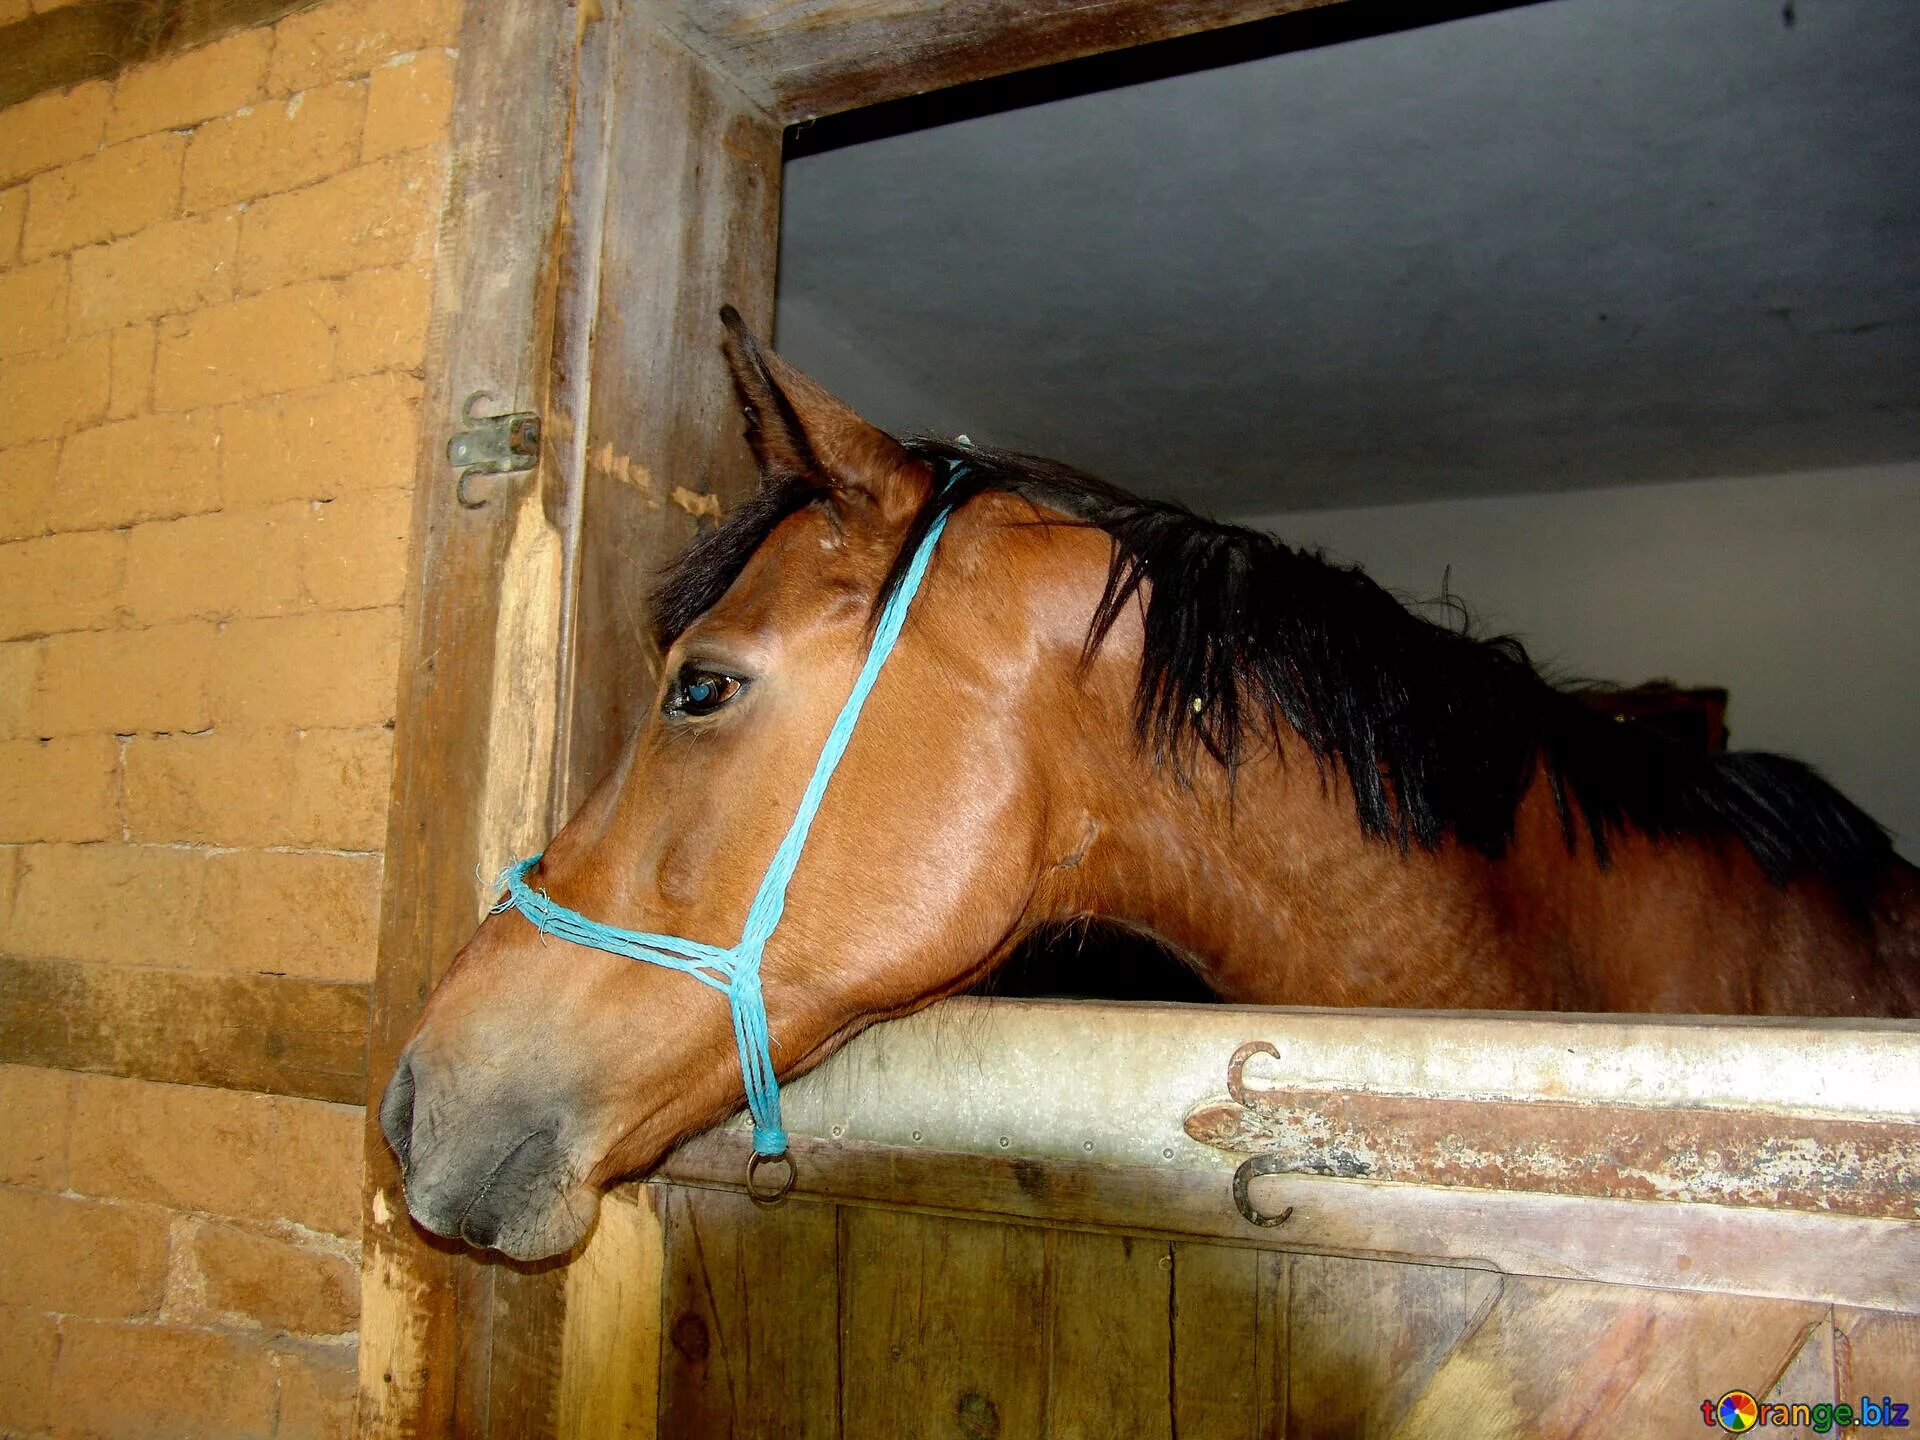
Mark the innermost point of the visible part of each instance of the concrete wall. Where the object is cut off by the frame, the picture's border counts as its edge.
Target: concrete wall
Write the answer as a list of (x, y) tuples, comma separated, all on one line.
[(1799, 593), (214, 282)]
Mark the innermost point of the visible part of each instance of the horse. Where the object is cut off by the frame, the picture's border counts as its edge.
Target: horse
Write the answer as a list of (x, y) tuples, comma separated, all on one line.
[(1099, 707)]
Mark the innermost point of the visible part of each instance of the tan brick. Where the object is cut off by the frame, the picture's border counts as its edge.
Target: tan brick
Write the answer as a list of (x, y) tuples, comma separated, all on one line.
[(55, 392), (265, 1158), (298, 912), (229, 787), (164, 270), (13, 217), (60, 582), (278, 146), (26, 1370), (319, 444), (80, 1257), (33, 1142), (124, 682), (340, 784), (33, 307), (409, 103), (383, 319), (263, 345), (120, 190), (351, 37), (59, 789), (262, 1280), (52, 129), (154, 467), (317, 1384), (356, 550), (130, 391), (142, 903), (334, 670), (26, 489), (384, 213), (195, 85), (134, 1382), (19, 677), (237, 562)]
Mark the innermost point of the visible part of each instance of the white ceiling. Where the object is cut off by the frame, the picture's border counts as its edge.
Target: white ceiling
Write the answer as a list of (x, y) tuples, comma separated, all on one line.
[(1567, 244)]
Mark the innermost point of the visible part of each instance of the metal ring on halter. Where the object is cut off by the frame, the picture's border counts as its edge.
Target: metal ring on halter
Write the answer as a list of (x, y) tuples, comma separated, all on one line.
[(778, 1192), (1242, 1185)]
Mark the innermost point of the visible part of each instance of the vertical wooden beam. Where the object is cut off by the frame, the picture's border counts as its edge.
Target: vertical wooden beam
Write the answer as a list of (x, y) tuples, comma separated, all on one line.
[(462, 791), (610, 1347), (672, 210), (692, 223)]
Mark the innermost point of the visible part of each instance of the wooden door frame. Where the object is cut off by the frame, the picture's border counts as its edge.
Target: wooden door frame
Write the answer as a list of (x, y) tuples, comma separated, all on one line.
[(497, 729)]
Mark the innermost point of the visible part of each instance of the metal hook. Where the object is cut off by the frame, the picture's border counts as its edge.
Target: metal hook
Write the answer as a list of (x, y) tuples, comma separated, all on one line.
[(1242, 1185)]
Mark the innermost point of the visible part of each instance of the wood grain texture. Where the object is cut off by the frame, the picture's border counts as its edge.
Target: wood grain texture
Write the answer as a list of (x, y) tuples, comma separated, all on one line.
[(946, 1328), (1838, 1259), (490, 331), (750, 1345), (102, 37), (1553, 1360), (610, 1351), (801, 61), (1229, 1342), (1364, 1338), (1877, 1354), (277, 1034), (691, 222), (1109, 1302)]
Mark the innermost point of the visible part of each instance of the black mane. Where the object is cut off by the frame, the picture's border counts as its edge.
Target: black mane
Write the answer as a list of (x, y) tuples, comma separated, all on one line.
[(1439, 733)]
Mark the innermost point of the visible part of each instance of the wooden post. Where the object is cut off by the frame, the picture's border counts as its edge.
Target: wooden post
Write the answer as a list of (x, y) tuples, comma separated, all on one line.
[(491, 332), (612, 191)]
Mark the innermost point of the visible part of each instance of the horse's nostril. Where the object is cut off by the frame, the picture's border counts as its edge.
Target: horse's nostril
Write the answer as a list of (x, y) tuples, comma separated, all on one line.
[(396, 1112)]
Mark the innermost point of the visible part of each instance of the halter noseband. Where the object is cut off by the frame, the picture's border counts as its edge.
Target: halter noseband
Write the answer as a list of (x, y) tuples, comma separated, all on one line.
[(735, 970)]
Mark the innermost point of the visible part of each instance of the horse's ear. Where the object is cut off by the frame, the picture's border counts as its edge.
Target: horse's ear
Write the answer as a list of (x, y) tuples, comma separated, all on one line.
[(799, 431)]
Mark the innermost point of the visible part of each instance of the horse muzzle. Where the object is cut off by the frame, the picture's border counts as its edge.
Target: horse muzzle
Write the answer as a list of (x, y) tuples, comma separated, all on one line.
[(499, 1177)]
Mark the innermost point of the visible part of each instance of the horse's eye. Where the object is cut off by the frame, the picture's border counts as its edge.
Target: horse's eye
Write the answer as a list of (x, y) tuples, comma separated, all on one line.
[(701, 692)]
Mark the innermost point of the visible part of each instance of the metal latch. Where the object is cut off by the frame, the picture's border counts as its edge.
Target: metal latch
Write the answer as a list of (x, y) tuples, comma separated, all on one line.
[(492, 445)]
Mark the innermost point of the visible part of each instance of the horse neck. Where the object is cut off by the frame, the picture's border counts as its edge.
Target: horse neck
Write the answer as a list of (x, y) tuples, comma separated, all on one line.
[(1275, 896)]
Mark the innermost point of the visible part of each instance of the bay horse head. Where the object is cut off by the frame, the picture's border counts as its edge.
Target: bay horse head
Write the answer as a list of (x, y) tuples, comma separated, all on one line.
[(1067, 703)]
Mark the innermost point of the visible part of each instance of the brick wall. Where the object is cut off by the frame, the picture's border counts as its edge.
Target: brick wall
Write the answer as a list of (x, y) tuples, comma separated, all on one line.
[(214, 283)]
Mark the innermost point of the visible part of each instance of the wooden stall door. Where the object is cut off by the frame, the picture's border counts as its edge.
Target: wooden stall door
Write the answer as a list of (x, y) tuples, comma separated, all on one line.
[(848, 1322)]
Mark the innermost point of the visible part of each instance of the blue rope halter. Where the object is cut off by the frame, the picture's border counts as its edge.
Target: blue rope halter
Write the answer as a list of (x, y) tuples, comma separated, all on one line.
[(735, 970)]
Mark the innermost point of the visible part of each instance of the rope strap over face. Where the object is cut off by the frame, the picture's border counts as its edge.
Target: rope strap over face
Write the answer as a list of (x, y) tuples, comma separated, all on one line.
[(735, 970)]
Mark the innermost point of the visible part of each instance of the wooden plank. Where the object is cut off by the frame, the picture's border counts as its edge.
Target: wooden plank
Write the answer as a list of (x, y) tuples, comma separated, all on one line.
[(1229, 1342), (1554, 1360), (277, 1034), (1809, 1379), (62, 47), (610, 1352), (463, 786), (749, 1346), (1365, 1337), (1109, 1340), (1877, 1355), (691, 223), (945, 1326), (1715, 1248), (802, 61)]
